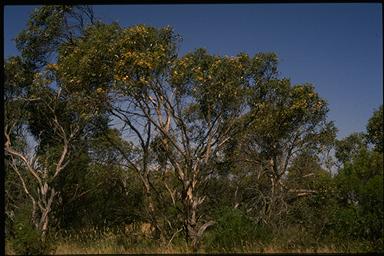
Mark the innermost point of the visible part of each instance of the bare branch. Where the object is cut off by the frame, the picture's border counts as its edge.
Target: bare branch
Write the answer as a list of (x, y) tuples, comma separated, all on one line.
[(61, 165), (25, 160)]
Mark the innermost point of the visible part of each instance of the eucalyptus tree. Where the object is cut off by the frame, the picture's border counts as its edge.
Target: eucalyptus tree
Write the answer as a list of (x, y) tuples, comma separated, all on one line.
[(196, 115), (349, 147), (90, 68), (191, 107), (17, 78), (181, 118), (170, 104), (49, 27), (40, 110), (287, 122), (178, 112), (64, 120)]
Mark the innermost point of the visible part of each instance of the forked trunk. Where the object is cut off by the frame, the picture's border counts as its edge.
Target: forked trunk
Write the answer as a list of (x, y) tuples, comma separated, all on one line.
[(46, 204), (194, 231)]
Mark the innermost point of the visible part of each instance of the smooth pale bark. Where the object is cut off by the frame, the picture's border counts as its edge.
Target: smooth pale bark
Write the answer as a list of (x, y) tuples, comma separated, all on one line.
[(46, 195)]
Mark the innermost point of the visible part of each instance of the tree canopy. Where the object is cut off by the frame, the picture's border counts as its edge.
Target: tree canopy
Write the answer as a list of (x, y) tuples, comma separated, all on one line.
[(107, 126)]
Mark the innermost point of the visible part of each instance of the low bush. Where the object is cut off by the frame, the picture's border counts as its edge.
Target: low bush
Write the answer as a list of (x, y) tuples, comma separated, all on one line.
[(26, 239), (234, 230)]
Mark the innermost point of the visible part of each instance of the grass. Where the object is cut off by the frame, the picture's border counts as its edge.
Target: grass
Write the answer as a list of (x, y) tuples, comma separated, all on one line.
[(73, 248), (106, 246), (110, 242)]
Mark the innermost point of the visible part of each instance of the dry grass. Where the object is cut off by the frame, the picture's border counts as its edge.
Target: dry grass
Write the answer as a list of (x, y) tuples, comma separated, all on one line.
[(109, 243), (276, 249), (73, 249), (68, 248), (8, 248)]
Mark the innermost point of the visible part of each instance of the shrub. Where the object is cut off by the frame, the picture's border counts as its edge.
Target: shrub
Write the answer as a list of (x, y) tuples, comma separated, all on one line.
[(234, 230), (27, 239)]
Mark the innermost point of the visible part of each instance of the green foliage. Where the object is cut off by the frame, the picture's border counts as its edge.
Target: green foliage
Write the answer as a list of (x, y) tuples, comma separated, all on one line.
[(18, 76), (84, 66), (360, 194), (267, 137), (348, 147), (233, 230), (27, 239), (346, 223), (143, 53), (304, 171), (281, 112), (218, 84), (375, 130), (311, 211), (108, 197), (48, 27)]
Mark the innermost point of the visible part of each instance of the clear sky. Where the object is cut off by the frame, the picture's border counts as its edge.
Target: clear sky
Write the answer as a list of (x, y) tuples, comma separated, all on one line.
[(336, 47)]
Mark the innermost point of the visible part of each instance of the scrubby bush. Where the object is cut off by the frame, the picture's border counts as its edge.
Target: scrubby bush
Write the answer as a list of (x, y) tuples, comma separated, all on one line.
[(234, 230), (27, 239)]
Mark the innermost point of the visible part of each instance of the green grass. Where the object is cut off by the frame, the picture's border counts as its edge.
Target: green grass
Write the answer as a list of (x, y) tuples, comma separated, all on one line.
[(111, 242)]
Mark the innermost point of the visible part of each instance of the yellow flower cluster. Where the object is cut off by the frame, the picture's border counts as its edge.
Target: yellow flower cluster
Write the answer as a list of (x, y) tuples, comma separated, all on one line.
[(123, 78), (200, 78), (139, 29), (184, 62), (162, 48), (300, 104), (100, 90), (217, 62), (319, 105), (52, 66), (143, 63), (141, 59), (36, 76)]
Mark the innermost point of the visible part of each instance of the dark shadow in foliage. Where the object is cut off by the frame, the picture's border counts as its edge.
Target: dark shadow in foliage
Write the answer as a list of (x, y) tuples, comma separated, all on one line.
[(233, 230)]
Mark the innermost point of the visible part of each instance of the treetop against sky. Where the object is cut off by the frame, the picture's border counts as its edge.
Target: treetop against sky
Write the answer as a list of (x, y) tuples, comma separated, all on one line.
[(336, 47)]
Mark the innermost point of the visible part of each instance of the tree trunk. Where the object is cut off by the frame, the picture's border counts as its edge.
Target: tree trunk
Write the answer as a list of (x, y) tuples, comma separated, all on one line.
[(150, 202), (45, 211), (191, 203)]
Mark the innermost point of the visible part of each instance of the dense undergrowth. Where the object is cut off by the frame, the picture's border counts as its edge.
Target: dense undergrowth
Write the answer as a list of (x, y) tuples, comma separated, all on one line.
[(233, 232), (110, 242)]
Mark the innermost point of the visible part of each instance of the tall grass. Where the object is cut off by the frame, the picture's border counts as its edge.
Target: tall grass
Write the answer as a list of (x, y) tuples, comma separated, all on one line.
[(108, 241)]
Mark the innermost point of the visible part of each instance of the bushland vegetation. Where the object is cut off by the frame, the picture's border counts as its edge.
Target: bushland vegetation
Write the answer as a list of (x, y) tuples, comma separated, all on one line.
[(114, 143)]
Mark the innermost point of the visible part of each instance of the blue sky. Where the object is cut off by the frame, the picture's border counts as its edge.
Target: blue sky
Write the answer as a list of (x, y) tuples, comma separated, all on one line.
[(336, 47)]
